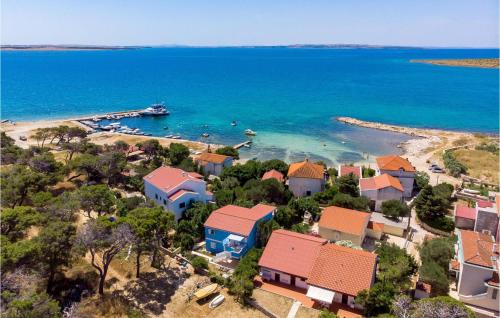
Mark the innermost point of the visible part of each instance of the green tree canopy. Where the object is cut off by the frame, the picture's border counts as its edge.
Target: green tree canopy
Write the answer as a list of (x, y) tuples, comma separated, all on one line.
[(177, 153), (228, 151), (348, 184), (16, 221), (395, 209), (96, 198)]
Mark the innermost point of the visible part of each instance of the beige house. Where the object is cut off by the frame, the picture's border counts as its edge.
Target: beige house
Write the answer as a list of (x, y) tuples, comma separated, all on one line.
[(381, 188), (399, 168), (476, 267), (339, 224), (306, 178), (213, 163)]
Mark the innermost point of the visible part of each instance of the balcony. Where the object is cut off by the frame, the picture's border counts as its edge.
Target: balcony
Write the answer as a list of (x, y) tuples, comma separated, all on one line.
[(234, 244)]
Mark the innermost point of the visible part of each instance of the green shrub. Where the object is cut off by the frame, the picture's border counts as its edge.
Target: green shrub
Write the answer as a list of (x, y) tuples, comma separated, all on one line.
[(199, 263)]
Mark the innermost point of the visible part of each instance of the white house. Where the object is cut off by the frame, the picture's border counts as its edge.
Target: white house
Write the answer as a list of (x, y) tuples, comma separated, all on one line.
[(476, 267), (174, 189), (381, 188), (399, 168), (213, 163), (306, 178)]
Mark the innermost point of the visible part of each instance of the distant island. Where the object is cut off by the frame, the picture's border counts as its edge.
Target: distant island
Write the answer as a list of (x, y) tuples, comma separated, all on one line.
[(482, 63), (66, 47)]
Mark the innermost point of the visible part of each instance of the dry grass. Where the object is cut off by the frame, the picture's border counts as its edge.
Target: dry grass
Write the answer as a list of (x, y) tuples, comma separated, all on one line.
[(481, 164), (305, 312), (109, 306), (483, 63), (277, 304)]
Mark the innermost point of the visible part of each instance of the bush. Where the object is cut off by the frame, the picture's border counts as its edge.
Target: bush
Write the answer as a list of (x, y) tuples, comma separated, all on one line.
[(368, 172), (442, 223), (395, 209), (228, 151), (433, 274), (348, 184), (346, 201), (454, 167), (241, 283), (199, 263)]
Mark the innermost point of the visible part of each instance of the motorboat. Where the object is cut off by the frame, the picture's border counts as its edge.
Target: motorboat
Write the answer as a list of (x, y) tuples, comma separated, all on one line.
[(250, 132), (169, 136), (233, 123), (216, 301), (116, 125), (176, 137), (206, 135), (205, 291), (246, 145), (158, 109)]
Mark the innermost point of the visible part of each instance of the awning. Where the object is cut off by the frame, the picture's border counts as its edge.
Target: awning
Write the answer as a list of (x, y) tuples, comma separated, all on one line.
[(236, 238), (320, 294)]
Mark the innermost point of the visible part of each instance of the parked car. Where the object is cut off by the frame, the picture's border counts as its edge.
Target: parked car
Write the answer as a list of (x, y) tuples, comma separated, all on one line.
[(437, 170), (23, 138), (432, 166)]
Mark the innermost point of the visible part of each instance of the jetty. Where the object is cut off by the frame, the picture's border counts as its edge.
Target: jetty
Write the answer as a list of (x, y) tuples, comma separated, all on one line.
[(240, 145)]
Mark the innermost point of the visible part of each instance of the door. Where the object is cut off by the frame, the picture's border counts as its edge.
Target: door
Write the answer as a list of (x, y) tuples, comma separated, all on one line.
[(277, 277), (344, 298), (292, 281)]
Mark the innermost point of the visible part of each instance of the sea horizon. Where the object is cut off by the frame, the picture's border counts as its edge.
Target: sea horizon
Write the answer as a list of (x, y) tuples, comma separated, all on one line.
[(289, 97)]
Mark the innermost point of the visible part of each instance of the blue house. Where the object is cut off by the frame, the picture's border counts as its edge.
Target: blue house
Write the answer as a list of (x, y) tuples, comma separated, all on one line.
[(233, 229)]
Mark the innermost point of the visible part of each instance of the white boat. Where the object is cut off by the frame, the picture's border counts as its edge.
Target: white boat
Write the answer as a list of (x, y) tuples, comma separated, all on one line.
[(250, 132), (206, 135), (169, 136), (216, 301), (246, 145), (155, 110), (115, 125), (176, 137), (233, 123)]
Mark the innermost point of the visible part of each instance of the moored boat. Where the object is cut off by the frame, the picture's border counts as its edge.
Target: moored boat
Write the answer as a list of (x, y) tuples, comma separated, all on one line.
[(216, 301), (250, 132), (158, 109)]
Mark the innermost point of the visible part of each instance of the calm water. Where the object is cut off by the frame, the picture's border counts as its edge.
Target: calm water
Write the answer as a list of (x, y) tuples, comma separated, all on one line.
[(288, 96)]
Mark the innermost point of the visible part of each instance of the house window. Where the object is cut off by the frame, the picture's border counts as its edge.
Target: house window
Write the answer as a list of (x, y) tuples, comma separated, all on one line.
[(213, 244), (182, 205), (211, 231), (164, 201), (494, 294), (156, 196), (308, 193)]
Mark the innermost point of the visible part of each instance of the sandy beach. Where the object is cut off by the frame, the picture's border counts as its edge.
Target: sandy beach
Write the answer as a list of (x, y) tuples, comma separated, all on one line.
[(427, 146)]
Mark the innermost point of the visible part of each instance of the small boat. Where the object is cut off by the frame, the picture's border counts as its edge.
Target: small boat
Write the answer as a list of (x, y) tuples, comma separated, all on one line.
[(250, 132), (205, 291), (115, 125), (246, 145), (233, 123), (216, 301), (169, 136), (206, 135), (176, 137), (166, 128)]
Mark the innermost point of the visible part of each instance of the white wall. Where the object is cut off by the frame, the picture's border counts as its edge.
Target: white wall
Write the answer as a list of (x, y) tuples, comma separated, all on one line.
[(406, 179), (300, 186)]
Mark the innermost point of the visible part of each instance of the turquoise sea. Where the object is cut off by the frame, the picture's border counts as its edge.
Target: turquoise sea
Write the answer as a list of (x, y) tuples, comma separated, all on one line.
[(290, 97)]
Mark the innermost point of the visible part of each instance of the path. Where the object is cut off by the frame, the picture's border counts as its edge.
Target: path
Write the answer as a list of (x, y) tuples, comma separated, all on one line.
[(293, 310)]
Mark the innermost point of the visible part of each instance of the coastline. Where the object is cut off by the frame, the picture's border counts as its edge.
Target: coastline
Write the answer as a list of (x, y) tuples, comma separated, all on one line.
[(479, 62)]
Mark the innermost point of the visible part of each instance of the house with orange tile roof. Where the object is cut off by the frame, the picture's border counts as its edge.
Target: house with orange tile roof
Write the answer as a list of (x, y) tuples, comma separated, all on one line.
[(381, 188), (274, 174), (326, 272), (231, 231), (476, 266), (465, 217), (400, 168), (484, 217), (306, 178), (213, 163), (175, 189), (355, 170), (340, 224)]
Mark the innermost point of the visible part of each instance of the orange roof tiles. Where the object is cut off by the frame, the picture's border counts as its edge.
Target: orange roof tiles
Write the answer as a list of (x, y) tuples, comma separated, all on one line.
[(343, 269), (212, 157), (236, 219), (394, 163), (166, 178), (306, 169), (291, 252), (345, 170), (494, 280), (344, 220), (455, 265), (380, 182), (273, 174), (376, 226), (477, 248)]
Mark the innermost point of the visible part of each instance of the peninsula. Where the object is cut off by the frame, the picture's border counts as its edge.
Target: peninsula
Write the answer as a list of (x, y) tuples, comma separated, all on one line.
[(482, 63)]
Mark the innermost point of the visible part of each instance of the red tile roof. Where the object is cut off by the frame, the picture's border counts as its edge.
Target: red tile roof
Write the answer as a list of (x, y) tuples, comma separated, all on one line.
[(484, 204), (273, 174), (343, 269), (167, 178), (212, 157), (345, 170), (424, 287), (394, 163), (306, 169), (236, 219), (291, 252), (380, 182), (478, 248), (465, 212), (455, 264), (344, 220)]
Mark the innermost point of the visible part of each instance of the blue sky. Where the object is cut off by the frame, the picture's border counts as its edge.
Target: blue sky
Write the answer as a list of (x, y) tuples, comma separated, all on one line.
[(457, 23)]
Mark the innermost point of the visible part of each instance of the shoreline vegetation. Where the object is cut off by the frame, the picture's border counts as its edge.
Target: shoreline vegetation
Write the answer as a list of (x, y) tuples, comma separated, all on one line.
[(481, 63)]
